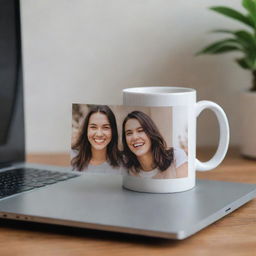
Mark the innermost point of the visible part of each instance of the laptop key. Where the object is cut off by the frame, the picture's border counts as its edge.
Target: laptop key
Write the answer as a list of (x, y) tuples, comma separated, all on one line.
[(25, 179)]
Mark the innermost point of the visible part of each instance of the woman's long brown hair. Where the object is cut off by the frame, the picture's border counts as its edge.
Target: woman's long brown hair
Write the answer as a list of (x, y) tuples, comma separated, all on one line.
[(162, 156), (83, 146)]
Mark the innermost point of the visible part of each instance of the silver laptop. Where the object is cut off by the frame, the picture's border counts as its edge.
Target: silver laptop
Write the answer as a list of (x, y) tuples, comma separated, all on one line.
[(54, 195)]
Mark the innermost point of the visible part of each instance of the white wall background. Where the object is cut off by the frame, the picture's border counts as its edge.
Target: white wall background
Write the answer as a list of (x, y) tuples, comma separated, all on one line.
[(86, 51)]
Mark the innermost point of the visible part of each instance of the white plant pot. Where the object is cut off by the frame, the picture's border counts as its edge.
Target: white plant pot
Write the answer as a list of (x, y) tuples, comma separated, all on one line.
[(248, 124)]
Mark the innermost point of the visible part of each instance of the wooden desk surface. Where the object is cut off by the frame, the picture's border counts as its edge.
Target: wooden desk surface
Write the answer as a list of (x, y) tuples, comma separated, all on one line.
[(234, 234)]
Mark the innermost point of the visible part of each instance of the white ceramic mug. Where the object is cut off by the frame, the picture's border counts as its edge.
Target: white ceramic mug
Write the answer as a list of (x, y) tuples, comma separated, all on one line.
[(173, 97)]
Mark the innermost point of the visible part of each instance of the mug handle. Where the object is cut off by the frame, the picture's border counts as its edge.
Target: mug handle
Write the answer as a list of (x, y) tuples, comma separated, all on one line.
[(223, 138)]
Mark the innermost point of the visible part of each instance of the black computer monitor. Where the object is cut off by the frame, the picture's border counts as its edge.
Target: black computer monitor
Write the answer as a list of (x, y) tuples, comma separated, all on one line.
[(12, 136)]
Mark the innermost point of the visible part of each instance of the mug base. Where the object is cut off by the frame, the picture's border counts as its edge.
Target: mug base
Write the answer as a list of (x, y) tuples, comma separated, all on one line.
[(147, 185)]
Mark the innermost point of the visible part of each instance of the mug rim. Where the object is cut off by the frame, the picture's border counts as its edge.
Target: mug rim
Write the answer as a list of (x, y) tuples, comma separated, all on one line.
[(160, 90)]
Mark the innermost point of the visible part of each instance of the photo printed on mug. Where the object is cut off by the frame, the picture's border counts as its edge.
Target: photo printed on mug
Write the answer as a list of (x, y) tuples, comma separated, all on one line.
[(146, 142)]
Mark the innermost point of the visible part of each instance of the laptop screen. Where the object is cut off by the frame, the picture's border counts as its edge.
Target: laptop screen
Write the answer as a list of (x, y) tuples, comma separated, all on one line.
[(12, 148)]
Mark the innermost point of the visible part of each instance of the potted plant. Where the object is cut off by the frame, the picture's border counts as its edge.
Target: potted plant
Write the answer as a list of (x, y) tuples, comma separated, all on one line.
[(244, 42)]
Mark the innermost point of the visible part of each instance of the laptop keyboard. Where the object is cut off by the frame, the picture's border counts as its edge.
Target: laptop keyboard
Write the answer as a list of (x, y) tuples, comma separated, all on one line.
[(25, 179)]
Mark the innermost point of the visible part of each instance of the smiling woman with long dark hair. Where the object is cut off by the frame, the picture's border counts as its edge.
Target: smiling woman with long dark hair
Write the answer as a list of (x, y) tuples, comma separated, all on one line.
[(96, 148), (145, 151)]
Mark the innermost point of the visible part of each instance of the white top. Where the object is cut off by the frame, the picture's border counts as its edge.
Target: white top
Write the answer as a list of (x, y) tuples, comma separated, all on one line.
[(104, 168), (180, 158)]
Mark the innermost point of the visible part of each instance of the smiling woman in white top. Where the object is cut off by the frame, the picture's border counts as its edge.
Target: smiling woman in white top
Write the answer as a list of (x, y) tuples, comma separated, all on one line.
[(145, 151), (96, 148)]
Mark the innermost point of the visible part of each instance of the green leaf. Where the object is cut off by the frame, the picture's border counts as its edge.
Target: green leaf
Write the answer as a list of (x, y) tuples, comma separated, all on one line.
[(250, 6), (225, 45), (242, 63), (247, 41), (225, 48), (246, 37), (231, 13), (243, 34), (247, 63)]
